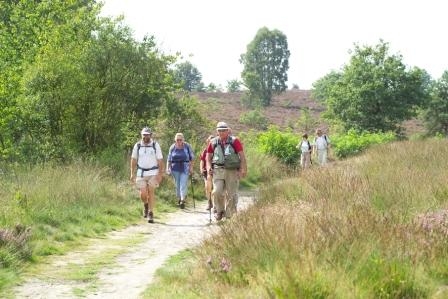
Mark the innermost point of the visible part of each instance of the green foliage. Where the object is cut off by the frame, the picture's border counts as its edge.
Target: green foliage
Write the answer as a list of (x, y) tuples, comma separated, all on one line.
[(27, 27), (306, 122), (266, 63), (354, 142), (212, 87), (188, 76), (374, 92), (233, 85), (436, 113), (182, 115), (254, 119), (81, 91), (281, 145)]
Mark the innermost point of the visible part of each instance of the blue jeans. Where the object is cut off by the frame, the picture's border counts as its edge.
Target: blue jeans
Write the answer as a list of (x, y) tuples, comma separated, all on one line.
[(181, 180)]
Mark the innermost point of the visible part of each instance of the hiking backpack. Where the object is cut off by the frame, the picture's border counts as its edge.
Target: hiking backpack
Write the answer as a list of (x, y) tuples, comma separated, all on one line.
[(139, 145), (187, 145), (231, 159)]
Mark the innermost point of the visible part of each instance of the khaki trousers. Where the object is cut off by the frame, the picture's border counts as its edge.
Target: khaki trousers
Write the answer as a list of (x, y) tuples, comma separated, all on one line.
[(225, 188)]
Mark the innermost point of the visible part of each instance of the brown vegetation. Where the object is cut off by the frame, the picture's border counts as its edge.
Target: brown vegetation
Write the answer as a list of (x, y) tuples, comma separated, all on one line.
[(284, 111)]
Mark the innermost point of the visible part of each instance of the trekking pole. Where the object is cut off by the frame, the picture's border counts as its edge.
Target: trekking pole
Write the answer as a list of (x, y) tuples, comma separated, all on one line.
[(192, 191)]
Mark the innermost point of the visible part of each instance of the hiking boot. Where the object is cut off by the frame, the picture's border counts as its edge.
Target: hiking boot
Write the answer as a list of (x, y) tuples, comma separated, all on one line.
[(150, 217), (182, 204), (219, 215), (145, 211)]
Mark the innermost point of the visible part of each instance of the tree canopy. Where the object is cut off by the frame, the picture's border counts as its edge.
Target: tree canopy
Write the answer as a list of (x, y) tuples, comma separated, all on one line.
[(188, 76), (436, 113), (374, 91), (73, 83), (266, 63)]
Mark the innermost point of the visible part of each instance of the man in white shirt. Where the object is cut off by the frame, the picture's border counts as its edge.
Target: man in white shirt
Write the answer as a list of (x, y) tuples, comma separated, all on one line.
[(321, 144), (147, 168)]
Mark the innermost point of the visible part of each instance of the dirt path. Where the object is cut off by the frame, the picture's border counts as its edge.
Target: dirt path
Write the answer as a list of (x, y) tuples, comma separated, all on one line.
[(122, 264)]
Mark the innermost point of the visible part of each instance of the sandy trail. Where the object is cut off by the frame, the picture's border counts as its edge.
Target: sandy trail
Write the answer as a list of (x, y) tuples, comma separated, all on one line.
[(133, 265)]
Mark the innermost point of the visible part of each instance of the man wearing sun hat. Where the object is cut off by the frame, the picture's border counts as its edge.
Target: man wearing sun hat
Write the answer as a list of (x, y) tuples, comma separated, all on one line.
[(227, 163), (147, 169)]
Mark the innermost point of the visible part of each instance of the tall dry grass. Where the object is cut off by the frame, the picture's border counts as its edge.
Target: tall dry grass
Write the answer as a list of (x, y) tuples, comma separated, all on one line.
[(375, 226), (48, 209)]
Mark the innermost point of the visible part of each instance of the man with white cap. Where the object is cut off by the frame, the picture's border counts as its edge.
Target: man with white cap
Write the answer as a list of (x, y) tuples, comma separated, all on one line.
[(227, 163), (147, 169)]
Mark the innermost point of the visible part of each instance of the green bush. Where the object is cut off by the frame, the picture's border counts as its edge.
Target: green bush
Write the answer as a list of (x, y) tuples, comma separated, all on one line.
[(354, 142), (282, 145), (254, 118)]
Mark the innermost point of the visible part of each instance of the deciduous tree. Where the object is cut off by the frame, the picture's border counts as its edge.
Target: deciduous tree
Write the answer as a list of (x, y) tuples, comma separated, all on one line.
[(436, 113), (375, 91), (188, 76), (266, 63)]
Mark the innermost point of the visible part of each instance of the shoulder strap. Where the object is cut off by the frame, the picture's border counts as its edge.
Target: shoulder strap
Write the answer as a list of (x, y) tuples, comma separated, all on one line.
[(139, 145), (188, 149), (232, 140)]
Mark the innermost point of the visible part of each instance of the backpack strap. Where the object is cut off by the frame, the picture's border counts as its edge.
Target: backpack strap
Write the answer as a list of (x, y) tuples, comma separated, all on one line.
[(139, 145), (187, 145)]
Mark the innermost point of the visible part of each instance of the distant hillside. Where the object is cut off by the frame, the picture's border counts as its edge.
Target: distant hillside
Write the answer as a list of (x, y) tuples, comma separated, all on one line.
[(284, 110)]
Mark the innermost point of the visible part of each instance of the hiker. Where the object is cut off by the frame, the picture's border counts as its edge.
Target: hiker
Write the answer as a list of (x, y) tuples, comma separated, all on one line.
[(226, 163), (208, 184), (306, 150), (147, 170), (321, 145), (180, 166)]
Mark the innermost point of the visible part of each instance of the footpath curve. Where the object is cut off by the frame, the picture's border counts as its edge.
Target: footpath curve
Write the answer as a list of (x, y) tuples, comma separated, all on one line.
[(122, 263)]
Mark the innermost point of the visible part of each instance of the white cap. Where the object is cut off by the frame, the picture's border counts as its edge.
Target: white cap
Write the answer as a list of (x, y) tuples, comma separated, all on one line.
[(222, 125), (146, 131)]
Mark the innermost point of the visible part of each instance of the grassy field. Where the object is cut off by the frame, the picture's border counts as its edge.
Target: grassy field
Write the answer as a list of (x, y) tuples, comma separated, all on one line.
[(52, 209), (373, 226), (48, 210)]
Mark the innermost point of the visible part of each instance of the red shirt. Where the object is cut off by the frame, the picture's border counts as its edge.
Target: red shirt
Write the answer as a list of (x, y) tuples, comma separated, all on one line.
[(237, 145), (204, 161)]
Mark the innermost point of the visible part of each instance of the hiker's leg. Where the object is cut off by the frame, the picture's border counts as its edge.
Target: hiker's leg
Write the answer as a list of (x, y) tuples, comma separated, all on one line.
[(208, 187), (324, 157), (218, 192), (150, 191), (183, 185), (307, 159), (176, 175), (231, 186), (320, 156)]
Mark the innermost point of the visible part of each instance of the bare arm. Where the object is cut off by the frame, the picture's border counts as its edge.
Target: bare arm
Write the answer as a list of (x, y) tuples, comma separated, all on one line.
[(243, 166), (208, 159), (161, 169), (133, 169)]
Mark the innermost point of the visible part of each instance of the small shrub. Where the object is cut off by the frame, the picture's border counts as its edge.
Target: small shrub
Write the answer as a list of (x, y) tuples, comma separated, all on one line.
[(282, 145), (354, 142), (255, 119)]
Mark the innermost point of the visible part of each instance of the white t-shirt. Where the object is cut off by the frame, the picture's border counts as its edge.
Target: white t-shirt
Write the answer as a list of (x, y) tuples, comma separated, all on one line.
[(321, 142), (147, 158), (304, 146)]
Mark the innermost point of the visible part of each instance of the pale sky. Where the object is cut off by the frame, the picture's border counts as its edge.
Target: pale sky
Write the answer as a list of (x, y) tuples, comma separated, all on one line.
[(213, 34)]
